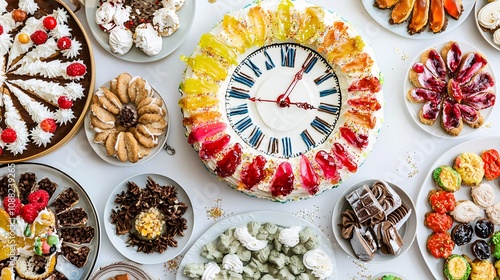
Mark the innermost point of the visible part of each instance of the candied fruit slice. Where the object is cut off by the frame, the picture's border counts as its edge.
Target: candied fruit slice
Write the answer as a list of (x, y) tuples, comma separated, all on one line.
[(350, 47), (240, 38), (358, 140), (344, 158), (283, 21), (311, 23), (365, 102), (371, 84), (257, 25), (254, 172), (212, 147), (282, 184), (201, 118), (308, 176), (328, 165), (194, 102), (360, 63), (366, 119), (453, 7), (228, 164), (197, 86), (206, 131), (203, 65), (214, 46), (337, 33)]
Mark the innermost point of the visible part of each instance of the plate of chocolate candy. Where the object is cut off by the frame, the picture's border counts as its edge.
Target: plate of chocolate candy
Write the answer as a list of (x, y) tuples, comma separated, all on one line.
[(374, 221)]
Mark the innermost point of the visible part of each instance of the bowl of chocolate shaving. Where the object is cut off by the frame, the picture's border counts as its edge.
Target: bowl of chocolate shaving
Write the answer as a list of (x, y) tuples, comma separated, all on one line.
[(149, 218)]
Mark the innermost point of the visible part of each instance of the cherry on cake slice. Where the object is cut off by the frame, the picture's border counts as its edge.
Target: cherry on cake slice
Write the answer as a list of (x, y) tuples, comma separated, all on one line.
[(77, 235), (77, 256), (15, 136), (70, 70), (47, 185), (22, 42), (65, 200), (73, 218)]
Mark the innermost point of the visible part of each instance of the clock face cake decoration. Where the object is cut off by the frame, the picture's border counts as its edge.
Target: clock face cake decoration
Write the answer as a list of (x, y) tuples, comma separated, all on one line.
[(46, 77), (282, 100)]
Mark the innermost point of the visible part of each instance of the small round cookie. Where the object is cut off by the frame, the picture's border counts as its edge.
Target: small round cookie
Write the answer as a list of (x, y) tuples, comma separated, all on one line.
[(466, 211), (493, 213), (462, 234), (470, 166), (441, 201), (481, 249), (484, 228), (483, 195), (447, 178), (438, 222)]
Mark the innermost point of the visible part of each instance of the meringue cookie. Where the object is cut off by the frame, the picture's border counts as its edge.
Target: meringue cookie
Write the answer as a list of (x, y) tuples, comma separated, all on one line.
[(105, 13), (120, 40), (166, 20), (147, 39), (175, 4)]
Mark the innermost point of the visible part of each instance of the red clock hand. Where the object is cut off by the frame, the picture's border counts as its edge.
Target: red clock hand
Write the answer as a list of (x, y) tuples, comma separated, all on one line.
[(302, 105), (283, 98)]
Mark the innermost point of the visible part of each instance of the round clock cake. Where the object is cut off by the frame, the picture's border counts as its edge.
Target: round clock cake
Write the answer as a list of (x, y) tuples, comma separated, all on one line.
[(282, 99)]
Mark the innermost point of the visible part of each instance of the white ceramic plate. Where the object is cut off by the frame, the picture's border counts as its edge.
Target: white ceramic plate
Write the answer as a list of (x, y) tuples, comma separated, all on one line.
[(64, 181), (407, 231), (380, 275), (488, 36), (100, 149), (119, 241), (475, 146), (134, 272), (414, 108), (283, 219), (170, 43), (382, 17)]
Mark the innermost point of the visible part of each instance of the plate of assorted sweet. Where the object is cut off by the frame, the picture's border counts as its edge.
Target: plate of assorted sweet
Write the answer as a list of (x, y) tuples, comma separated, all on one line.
[(260, 245), (374, 221), (487, 14), (56, 227), (47, 77), (128, 121), (149, 218), (140, 31), (450, 89), (419, 19), (458, 210)]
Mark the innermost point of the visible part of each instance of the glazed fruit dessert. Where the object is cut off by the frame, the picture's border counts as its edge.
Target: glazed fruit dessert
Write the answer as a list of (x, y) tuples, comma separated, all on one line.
[(234, 126), (142, 23), (151, 216), (452, 87), (45, 77), (420, 14), (45, 232), (263, 251), (128, 118)]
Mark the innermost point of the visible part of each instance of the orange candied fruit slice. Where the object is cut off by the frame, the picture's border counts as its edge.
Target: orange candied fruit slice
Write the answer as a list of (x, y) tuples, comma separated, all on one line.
[(359, 63), (283, 20), (7, 273), (238, 33), (311, 24), (197, 86), (257, 25), (203, 65), (212, 45), (337, 33), (201, 118), (352, 46), (192, 103), (365, 119)]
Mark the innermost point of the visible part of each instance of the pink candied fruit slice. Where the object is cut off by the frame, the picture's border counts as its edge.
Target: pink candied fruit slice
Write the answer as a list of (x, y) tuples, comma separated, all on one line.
[(228, 164), (254, 172), (282, 184), (454, 90), (212, 147), (453, 58), (328, 165), (436, 65), (422, 95), (344, 158), (480, 82), (369, 103), (358, 140), (308, 176), (480, 100), (371, 84), (205, 131), (471, 65)]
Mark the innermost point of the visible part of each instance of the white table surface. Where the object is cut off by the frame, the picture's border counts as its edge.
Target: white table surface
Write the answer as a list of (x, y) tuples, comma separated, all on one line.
[(402, 155)]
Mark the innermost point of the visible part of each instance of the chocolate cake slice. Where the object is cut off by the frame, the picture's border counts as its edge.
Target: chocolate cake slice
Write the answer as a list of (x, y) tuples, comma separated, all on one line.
[(76, 256), (47, 185), (65, 200), (73, 218), (27, 182), (77, 235)]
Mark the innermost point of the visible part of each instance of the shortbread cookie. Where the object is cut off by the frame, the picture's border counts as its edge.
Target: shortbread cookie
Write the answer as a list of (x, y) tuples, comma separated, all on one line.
[(98, 125), (132, 147), (102, 114), (100, 137), (122, 82), (138, 90), (110, 143), (121, 151), (151, 109), (148, 101)]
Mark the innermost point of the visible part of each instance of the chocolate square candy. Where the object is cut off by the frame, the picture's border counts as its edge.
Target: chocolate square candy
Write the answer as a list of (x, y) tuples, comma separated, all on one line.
[(366, 206)]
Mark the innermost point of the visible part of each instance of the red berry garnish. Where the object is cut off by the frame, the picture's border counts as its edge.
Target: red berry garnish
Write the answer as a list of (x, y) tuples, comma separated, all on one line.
[(64, 43), (39, 198), (418, 67), (1, 30), (39, 37), (9, 135), (64, 102), (48, 125), (29, 212), (76, 69), (12, 205), (49, 22)]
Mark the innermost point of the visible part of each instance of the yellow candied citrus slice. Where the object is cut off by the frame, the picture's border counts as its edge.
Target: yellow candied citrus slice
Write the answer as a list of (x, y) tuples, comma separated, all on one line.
[(237, 32), (196, 102), (212, 45), (4, 219), (201, 118), (196, 86), (359, 63), (311, 24), (4, 252), (350, 47), (283, 20), (203, 65), (7, 273), (257, 25)]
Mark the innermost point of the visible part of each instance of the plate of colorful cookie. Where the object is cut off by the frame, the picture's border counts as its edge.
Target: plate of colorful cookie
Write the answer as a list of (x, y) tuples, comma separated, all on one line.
[(128, 121), (54, 222), (458, 211), (140, 31), (450, 89), (486, 14), (260, 243), (149, 218), (374, 221)]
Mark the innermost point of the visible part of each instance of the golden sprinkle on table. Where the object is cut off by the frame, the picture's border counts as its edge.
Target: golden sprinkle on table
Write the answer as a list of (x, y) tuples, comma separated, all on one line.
[(216, 211), (404, 56), (172, 265)]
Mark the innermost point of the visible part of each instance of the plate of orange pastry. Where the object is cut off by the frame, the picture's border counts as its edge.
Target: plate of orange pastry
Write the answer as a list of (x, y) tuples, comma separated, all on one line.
[(127, 122), (419, 19)]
